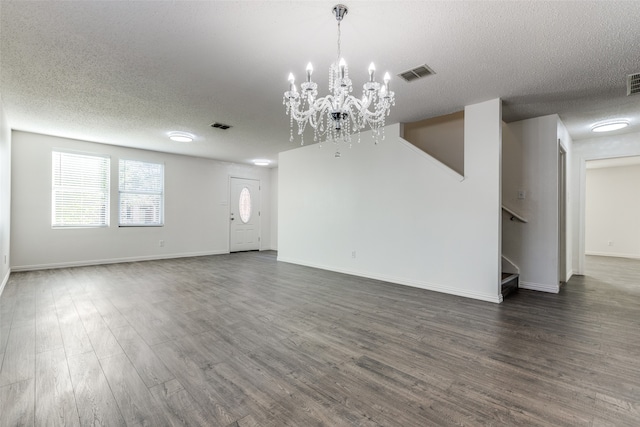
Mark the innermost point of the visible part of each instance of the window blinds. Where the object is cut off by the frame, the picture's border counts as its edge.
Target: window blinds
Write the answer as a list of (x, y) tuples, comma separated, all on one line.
[(141, 186), (80, 193)]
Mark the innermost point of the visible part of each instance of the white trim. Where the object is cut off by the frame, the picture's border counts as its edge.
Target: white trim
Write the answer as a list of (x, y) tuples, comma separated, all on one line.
[(114, 260), (4, 281), (613, 254), (415, 284), (554, 289)]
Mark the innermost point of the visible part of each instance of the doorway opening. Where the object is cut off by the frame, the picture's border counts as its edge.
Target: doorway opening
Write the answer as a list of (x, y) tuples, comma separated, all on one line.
[(610, 217)]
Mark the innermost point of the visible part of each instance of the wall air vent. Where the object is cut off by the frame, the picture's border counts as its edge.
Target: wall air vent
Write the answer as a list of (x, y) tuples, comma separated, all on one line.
[(633, 84), (416, 73), (220, 126)]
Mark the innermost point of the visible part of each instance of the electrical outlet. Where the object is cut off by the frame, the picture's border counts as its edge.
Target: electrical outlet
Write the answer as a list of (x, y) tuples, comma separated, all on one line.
[(522, 194), (162, 243), (5, 259), (353, 254), (609, 243)]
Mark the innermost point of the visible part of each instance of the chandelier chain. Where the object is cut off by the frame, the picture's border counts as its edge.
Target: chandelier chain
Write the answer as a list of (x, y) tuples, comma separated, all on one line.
[(339, 47)]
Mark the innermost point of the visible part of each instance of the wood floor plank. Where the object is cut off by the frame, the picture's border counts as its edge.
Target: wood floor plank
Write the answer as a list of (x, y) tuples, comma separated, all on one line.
[(16, 404), (56, 404), (146, 324), (111, 315), (136, 403), (195, 381), (5, 328), (74, 336), (19, 356), (178, 405), (103, 342), (147, 364), (95, 402), (48, 335)]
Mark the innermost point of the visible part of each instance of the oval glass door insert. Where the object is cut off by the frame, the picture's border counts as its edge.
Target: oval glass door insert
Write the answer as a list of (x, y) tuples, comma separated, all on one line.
[(244, 205)]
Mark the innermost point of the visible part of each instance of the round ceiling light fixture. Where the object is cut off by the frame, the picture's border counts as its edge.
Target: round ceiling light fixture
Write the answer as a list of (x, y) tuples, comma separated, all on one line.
[(180, 136), (262, 162), (609, 126)]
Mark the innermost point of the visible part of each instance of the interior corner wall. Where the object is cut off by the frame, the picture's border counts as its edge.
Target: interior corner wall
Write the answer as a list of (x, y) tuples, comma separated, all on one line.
[(603, 147), (534, 245), (196, 208), (5, 198), (612, 212), (274, 208), (386, 211), (565, 140)]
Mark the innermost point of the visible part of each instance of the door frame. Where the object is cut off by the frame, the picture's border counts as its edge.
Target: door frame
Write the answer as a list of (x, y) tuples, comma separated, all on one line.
[(562, 213), (229, 201)]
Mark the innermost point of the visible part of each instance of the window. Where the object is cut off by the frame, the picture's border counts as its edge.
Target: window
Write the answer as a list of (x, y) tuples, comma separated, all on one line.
[(244, 205), (141, 186), (80, 190)]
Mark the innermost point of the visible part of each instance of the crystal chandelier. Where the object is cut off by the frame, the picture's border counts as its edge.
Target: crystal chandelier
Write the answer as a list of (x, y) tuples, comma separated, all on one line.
[(337, 115)]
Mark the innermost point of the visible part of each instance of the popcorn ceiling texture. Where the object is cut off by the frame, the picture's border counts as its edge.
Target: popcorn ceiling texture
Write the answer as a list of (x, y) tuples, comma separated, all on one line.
[(127, 73)]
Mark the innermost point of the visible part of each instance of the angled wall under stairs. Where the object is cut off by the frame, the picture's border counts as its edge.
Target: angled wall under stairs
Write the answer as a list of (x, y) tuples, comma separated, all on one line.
[(440, 137)]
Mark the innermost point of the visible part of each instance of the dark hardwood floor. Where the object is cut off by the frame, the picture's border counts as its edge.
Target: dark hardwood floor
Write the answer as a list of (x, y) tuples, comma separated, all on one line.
[(242, 340)]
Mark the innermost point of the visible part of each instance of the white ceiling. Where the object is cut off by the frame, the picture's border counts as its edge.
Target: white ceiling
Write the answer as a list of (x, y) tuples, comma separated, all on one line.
[(614, 162), (126, 73)]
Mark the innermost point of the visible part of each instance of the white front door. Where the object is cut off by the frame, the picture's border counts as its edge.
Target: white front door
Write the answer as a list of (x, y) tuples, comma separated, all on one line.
[(244, 215)]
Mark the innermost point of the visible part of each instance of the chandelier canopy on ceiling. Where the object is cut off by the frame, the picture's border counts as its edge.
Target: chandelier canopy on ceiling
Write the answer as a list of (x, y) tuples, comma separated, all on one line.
[(337, 115)]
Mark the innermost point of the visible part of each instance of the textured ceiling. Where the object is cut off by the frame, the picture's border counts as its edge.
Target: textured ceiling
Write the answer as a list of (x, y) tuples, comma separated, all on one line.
[(614, 162), (126, 73)]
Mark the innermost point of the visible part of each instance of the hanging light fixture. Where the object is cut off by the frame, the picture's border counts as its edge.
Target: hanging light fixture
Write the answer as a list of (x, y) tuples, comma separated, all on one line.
[(337, 115)]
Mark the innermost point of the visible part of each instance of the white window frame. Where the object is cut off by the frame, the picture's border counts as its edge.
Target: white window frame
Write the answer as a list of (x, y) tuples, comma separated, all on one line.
[(150, 191), (58, 190)]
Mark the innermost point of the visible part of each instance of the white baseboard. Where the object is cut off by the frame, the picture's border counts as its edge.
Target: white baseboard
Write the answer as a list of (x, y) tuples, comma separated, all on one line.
[(415, 284), (113, 261), (4, 281), (614, 254), (554, 289), (569, 274)]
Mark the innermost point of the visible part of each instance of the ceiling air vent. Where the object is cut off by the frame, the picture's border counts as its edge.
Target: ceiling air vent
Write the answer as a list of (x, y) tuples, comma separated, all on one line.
[(416, 73), (633, 84), (220, 126)]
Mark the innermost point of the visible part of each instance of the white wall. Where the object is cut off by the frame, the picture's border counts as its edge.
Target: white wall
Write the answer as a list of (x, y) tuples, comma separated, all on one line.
[(5, 197), (512, 183), (405, 217), (612, 212), (196, 208), (512, 175), (274, 208), (533, 246), (602, 147)]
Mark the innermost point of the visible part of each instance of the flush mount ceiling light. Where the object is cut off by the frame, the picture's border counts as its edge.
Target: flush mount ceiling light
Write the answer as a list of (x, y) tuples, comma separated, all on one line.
[(180, 136), (609, 126), (336, 114), (261, 162)]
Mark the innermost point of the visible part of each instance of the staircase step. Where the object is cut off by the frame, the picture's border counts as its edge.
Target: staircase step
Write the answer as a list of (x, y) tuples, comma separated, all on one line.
[(510, 283)]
